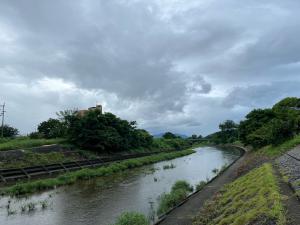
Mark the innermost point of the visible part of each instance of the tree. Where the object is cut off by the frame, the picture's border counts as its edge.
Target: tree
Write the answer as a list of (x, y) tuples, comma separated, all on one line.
[(228, 125), (254, 121), (52, 128), (169, 135), (228, 133), (105, 132), (9, 131), (194, 136)]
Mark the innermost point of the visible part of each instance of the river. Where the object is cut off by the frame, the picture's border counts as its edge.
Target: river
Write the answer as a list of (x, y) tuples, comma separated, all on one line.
[(100, 201)]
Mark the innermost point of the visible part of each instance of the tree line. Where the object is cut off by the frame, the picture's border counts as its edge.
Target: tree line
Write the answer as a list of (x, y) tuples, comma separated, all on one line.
[(261, 127)]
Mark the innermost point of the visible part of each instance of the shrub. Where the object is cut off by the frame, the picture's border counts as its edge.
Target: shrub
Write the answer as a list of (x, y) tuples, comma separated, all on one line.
[(132, 218), (179, 191), (201, 185), (182, 184), (9, 131)]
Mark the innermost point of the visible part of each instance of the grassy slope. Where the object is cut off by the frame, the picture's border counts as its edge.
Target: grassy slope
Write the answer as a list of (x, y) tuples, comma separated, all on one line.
[(71, 177), (274, 151), (36, 159), (251, 199), (26, 142)]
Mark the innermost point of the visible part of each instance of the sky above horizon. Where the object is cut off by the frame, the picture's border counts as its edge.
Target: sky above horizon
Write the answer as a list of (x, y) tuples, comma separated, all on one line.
[(171, 65)]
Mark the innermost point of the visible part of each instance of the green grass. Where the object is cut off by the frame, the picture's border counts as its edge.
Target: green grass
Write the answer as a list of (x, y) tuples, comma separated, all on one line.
[(251, 199), (132, 218), (26, 142), (180, 190), (274, 151), (84, 174), (36, 159), (201, 185)]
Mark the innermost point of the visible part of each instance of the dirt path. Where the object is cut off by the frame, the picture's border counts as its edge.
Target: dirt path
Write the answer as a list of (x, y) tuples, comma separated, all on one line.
[(290, 201), (184, 214)]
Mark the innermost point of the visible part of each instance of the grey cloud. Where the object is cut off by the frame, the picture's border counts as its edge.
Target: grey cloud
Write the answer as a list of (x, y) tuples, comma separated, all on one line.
[(261, 95), (158, 62)]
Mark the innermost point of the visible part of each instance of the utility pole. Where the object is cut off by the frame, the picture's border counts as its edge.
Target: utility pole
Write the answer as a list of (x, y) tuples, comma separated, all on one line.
[(2, 114)]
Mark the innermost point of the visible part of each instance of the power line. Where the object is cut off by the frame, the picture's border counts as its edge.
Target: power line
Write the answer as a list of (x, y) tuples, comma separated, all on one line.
[(2, 114)]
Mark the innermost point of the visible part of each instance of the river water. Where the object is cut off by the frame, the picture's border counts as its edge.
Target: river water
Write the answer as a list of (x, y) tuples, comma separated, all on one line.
[(100, 201)]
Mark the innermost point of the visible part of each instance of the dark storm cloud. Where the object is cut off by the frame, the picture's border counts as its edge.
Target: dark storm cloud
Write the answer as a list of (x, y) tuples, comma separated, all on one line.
[(169, 64)]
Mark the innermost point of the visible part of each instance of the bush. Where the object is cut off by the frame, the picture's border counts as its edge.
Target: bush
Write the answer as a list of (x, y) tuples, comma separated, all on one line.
[(9, 131), (179, 191), (132, 218), (201, 185), (182, 184), (52, 128), (271, 126), (106, 132), (36, 135)]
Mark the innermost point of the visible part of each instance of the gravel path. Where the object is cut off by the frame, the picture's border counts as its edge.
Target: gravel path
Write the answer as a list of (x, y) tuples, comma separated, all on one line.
[(289, 165)]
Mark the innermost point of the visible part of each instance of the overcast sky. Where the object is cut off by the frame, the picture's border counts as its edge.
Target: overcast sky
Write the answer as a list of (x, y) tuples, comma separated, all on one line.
[(178, 65)]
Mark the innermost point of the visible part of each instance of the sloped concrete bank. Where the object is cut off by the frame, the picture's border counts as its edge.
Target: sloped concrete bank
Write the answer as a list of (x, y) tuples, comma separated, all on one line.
[(289, 165)]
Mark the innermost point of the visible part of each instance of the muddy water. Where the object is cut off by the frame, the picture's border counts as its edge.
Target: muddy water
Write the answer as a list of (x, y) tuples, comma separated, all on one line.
[(100, 201)]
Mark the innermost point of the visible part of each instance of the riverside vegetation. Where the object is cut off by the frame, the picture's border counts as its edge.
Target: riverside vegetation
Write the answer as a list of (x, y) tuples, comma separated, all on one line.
[(71, 177), (179, 192), (93, 133), (263, 127)]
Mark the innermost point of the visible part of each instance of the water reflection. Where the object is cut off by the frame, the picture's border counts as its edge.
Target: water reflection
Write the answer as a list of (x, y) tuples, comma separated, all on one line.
[(100, 201)]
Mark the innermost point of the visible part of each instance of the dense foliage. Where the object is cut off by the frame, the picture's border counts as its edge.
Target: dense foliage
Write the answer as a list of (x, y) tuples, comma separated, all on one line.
[(169, 135), (262, 127), (179, 192), (271, 126), (52, 128), (98, 131), (9, 131), (228, 133)]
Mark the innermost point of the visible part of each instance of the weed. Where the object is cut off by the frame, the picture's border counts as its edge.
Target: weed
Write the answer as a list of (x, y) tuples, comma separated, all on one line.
[(215, 170), (129, 218), (44, 204), (201, 185), (31, 206), (179, 191), (171, 166)]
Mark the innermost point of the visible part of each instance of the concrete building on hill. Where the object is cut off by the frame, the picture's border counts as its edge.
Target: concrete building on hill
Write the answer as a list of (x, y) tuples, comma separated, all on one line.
[(84, 111)]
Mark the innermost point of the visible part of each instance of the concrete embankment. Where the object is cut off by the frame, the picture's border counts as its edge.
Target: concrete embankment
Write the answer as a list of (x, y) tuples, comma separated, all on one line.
[(289, 164)]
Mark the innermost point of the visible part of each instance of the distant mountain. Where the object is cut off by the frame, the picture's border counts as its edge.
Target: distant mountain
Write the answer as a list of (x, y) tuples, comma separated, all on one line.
[(161, 134)]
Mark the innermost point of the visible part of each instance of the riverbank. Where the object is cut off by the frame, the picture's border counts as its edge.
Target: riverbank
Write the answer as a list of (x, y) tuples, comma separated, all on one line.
[(84, 174), (26, 152), (289, 165)]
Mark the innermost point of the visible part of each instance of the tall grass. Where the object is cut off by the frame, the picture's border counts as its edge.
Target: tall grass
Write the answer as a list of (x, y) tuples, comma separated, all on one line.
[(132, 218), (274, 151), (84, 174), (180, 190), (26, 142)]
